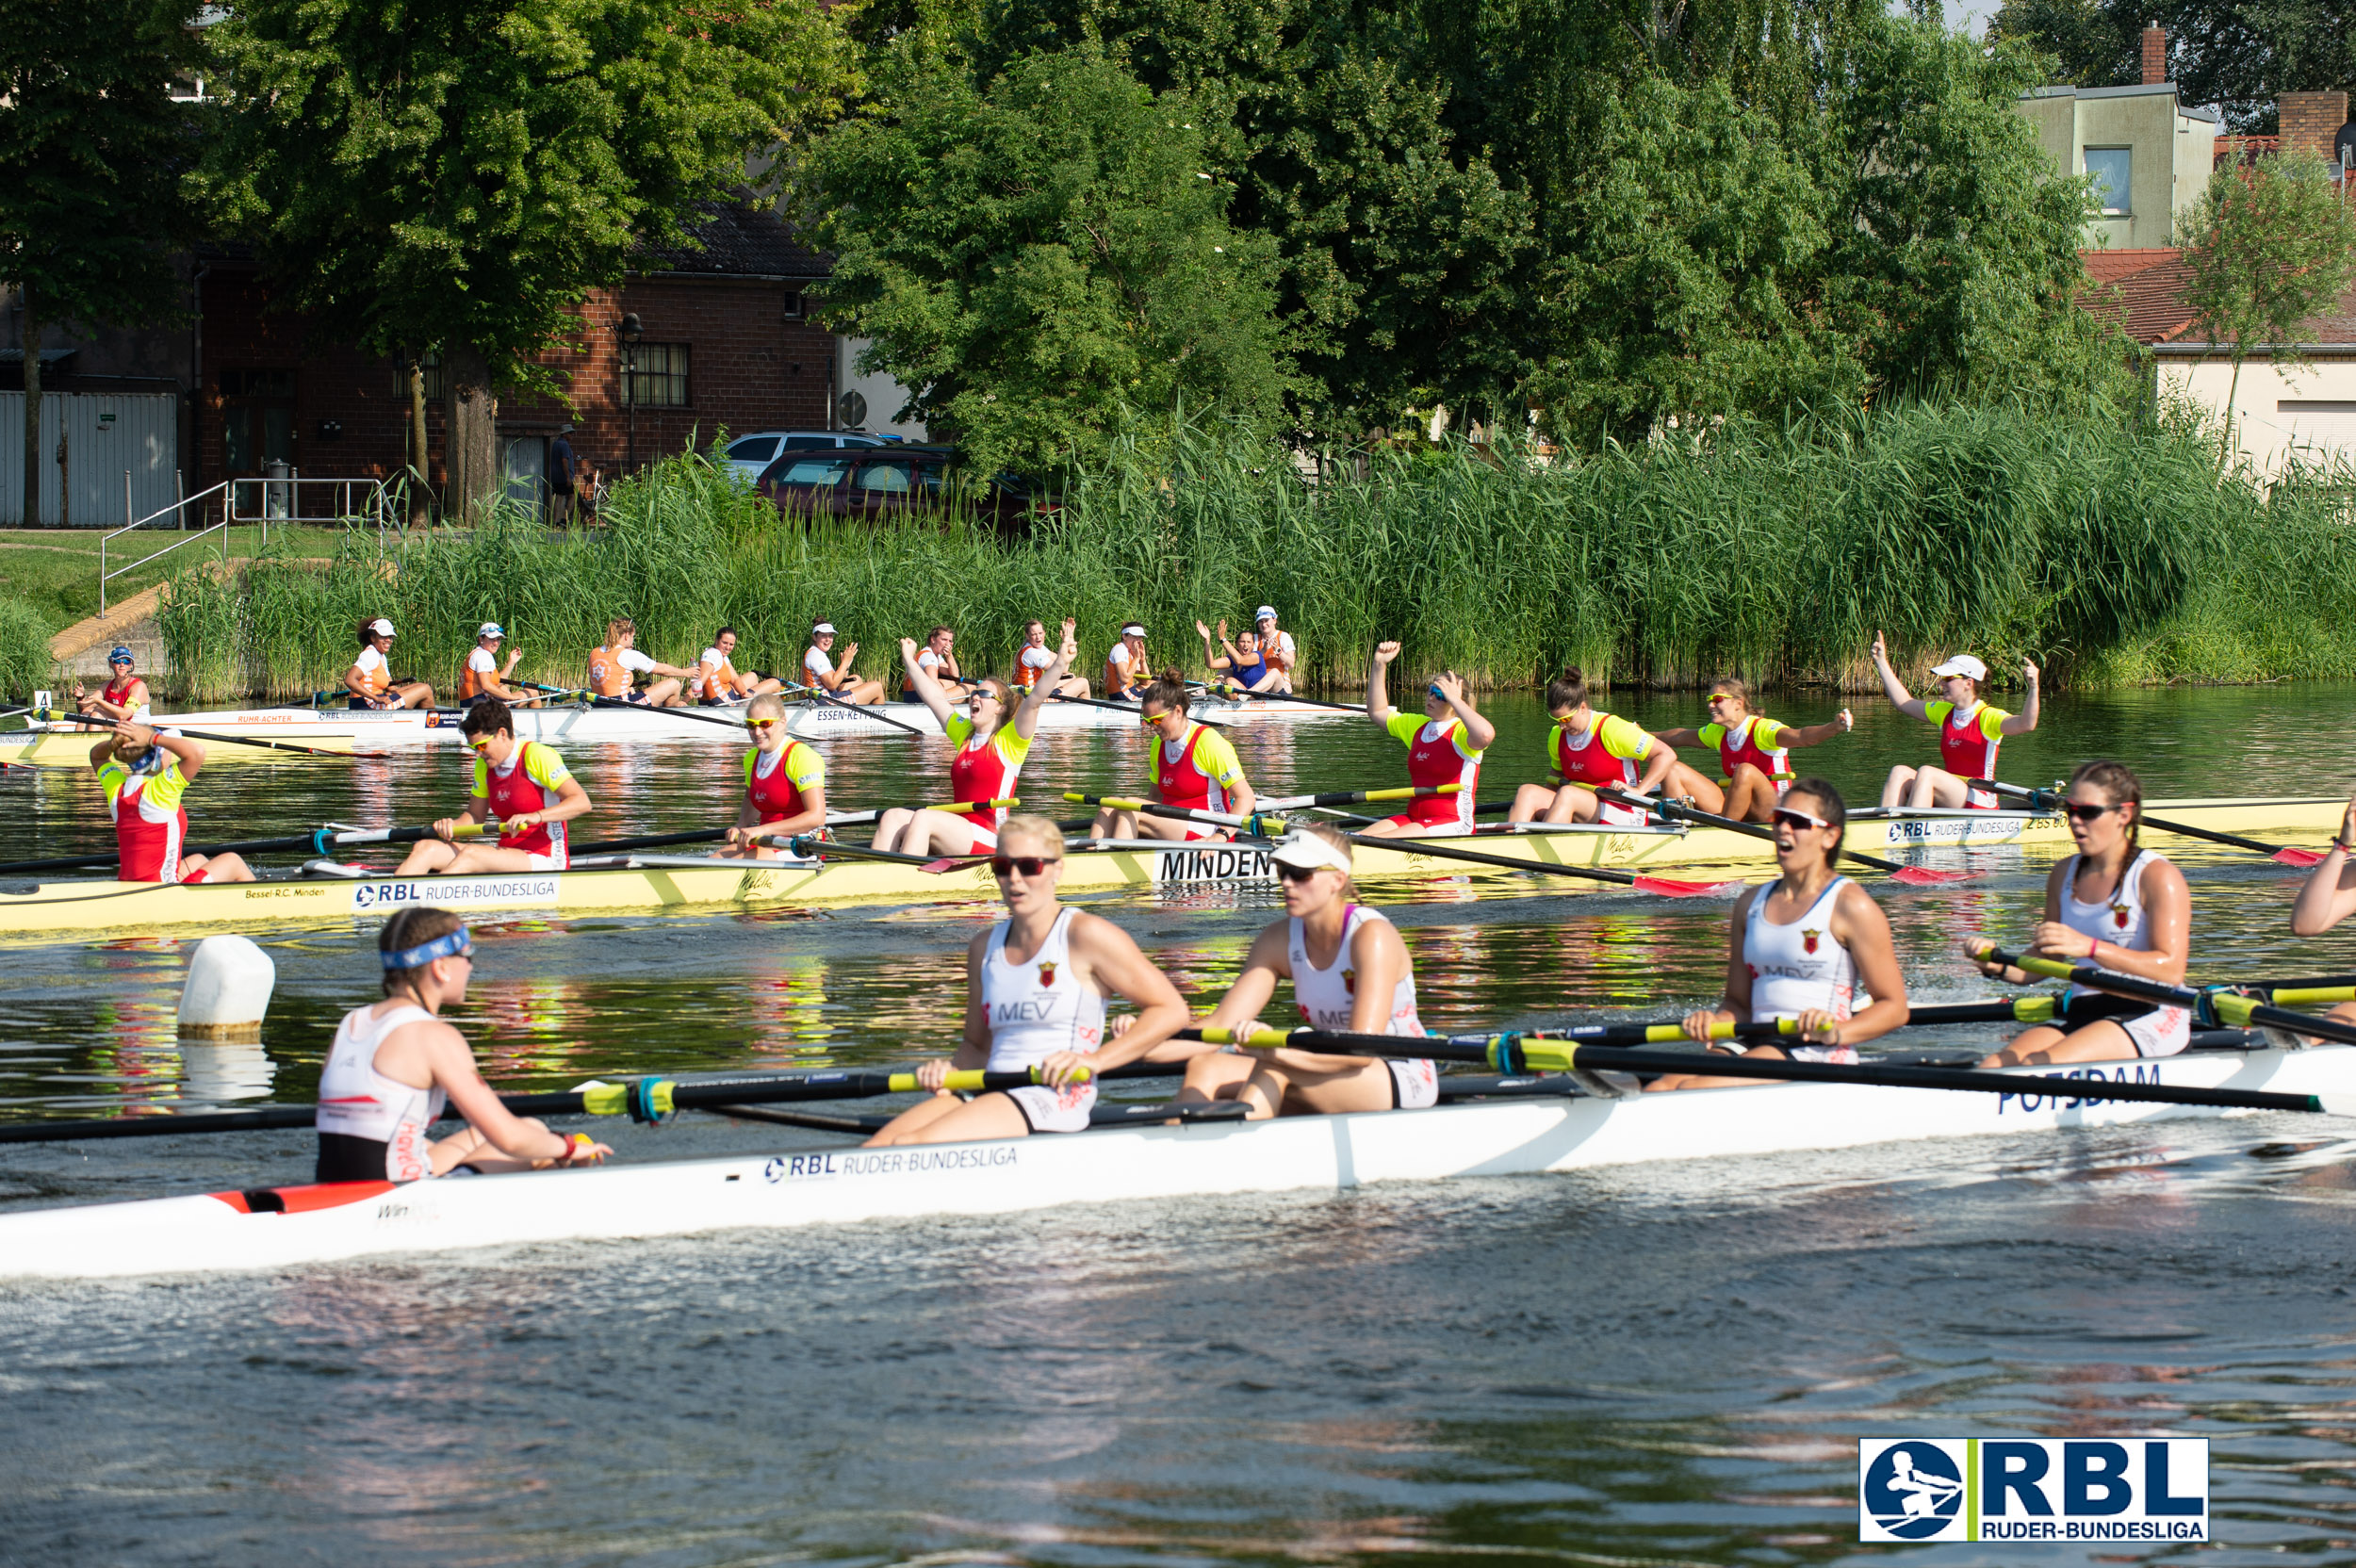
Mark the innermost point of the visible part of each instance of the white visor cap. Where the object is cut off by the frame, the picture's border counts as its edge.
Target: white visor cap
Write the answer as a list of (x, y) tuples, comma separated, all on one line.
[(823, 629), (1133, 630), (381, 626), (1962, 664), (1308, 852), (1266, 613)]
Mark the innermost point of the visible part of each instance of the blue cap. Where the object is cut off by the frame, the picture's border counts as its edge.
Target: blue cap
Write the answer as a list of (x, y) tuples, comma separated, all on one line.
[(121, 656)]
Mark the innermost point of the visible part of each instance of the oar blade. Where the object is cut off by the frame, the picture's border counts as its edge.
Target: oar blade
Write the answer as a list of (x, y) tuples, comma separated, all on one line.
[(2335, 1104), (1671, 888), (1923, 876), (2300, 858)]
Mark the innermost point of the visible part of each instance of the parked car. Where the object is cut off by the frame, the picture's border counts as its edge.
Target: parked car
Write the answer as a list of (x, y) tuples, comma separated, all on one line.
[(847, 484), (751, 455)]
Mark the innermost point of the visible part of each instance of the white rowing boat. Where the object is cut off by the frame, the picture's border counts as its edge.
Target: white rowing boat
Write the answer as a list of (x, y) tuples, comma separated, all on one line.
[(287, 1226)]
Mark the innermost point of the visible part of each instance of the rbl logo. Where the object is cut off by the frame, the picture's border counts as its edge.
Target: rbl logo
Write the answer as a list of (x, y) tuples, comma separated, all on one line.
[(2033, 1489)]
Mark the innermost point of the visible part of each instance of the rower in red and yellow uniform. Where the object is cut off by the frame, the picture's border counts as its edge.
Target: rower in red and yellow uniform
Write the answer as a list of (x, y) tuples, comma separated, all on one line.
[(144, 773), (785, 785), (614, 666), (1970, 733), (1754, 751), (1444, 745), (126, 696), (521, 785), (1193, 765), (1587, 751), (991, 736)]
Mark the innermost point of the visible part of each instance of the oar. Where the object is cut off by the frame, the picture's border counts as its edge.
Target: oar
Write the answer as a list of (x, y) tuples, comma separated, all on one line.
[(1671, 810), (1516, 1052), (1252, 826), (315, 842), (1438, 849), (834, 819), (639, 1098), (863, 709), (2211, 1006), (737, 725), (1311, 702), (2047, 800), (210, 739), (1359, 797)]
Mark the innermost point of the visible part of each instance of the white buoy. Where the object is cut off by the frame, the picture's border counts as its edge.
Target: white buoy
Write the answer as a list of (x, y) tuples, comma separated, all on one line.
[(230, 981)]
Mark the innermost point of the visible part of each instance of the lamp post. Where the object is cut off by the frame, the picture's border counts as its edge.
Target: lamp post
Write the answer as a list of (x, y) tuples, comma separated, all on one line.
[(631, 332)]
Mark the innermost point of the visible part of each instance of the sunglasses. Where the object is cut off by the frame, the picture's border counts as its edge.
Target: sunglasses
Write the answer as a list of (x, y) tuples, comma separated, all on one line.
[(1029, 865), (1298, 874), (761, 723), (1787, 817), (2087, 813), (478, 743)]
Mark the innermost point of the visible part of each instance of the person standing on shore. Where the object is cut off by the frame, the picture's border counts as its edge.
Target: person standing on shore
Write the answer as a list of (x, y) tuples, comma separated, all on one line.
[(371, 678), (1444, 744), (561, 476), (1970, 733), (1754, 751)]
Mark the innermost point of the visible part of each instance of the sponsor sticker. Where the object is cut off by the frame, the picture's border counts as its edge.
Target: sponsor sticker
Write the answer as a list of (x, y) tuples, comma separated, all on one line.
[(1214, 863), (916, 1160), (456, 892), (1914, 1489)]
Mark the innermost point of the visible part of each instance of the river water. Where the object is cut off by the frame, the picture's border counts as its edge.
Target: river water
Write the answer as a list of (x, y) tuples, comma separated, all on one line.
[(1655, 1364)]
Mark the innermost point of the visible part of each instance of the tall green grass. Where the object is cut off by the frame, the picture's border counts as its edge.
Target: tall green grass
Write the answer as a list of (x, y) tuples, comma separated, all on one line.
[(2108, 553), (24, 661)]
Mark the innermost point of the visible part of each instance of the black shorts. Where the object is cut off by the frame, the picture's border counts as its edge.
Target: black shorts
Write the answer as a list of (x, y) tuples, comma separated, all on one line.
[(345, 1158)]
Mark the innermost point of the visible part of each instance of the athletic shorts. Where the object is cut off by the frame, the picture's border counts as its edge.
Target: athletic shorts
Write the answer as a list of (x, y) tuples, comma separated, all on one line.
[(2161, 1032), (191, 878), (984, 838), (1063, 1110), (1435, 830), (1844, 1055), (549, 862), (1414, 1085)]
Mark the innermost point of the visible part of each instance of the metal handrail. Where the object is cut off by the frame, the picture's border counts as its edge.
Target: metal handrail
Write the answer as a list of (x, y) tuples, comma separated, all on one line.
[(282, 506)]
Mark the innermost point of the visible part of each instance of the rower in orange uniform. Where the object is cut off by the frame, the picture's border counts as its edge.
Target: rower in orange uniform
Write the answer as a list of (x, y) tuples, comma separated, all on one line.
[(1193, 766), (143, 773), (1754, 751), (1444, 744), (992, 737), (819, 672), (1127, 670), (1588, 750), (613, 668), (126, 696), (715, 682), (523, 786), (1034, 658), (785, 785), (371, 678), (485, 677), (1970, 733)]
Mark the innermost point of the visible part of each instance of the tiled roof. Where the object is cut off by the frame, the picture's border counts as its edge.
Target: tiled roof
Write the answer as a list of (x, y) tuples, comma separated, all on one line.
[(2143, 291), (741, 239)]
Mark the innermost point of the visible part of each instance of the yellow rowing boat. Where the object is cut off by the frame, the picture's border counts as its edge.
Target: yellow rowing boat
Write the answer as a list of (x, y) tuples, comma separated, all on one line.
[(681, 884), (70, 748)]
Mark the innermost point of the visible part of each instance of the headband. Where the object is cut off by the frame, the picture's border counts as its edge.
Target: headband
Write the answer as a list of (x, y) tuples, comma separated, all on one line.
[(457, 944)]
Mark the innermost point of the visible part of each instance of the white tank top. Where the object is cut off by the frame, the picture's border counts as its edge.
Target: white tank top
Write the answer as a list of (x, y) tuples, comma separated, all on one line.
[(359, 1101), (1040, 1007), (1798, 966), (1327, 996), (2120, 920)]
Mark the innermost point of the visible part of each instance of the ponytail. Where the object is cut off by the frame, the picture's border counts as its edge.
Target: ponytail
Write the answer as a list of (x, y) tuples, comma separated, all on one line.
[(2118, 781), (1169, 689), (1567, 690)]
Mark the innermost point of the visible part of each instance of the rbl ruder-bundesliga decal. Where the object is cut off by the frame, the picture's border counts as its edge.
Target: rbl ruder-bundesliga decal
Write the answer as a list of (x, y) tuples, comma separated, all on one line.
[(2033, 1489)]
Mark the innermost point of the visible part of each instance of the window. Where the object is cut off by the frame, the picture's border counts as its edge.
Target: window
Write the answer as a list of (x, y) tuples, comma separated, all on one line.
[(659, 379), (2113, 168), (257, 413), (824, 472), (753, 448), (887, 476), (435, 387), (793, 307)]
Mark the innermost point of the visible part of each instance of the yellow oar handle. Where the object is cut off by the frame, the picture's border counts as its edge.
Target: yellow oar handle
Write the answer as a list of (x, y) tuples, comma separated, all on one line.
[(1411, 791), (1117, 805), (2053, 968), (2294, 997), (977, 805), (974, 1081)]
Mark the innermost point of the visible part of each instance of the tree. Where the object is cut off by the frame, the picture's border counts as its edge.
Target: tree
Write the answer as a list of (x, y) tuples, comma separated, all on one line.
[(1032, 256), (2266, 246), (94, 147), (2236, 54), (459, 174)]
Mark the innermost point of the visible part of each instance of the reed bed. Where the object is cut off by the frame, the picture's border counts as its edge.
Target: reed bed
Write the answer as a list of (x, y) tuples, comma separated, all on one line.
[(24, 661), (2109, 552)]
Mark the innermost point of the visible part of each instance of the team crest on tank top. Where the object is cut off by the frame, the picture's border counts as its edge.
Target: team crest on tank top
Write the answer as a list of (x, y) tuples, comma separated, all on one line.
[(2121, 916), (1349, 982), (1046, 974), (1808, 941)]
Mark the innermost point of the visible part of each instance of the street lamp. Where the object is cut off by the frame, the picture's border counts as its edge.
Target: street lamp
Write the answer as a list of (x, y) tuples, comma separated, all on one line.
[(631, 332)]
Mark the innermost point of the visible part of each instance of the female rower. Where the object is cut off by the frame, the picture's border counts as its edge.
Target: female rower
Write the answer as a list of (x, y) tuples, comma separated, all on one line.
[(613, 669), (484, 679), (1587, 749), (1193, 765), (393, 1065), (1349, 970), (1126, 668), (938, 658), (371, 678), (1970, 733), (1244, 663), (785, 785), (1754, 751), (2124, 908), (143, 773), (1276, 644), (523, 786), (1035, 990), (820, 672), (1803, 947), (992, 737), (126, 696), (1032, 662), (1443, 744), (715, 682), (2329, 894)]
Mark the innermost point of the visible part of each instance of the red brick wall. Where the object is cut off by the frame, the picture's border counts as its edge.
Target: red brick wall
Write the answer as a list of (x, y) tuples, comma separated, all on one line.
[(2311, 120), (2154, 56)]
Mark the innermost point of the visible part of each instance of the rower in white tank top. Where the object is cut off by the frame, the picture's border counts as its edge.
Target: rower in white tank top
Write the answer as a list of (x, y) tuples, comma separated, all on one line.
[(1800, 966), (356, 1102), (1036, 1009), (2122, 921), (1327, 997)]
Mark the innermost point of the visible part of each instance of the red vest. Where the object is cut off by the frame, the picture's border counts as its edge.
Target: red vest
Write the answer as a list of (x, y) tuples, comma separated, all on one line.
[(1433, 763), (1183, 783), (776, 797), (519, 793), (981, 773)]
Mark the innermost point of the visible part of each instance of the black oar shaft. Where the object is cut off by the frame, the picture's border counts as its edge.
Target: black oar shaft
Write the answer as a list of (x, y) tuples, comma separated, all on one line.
[(2207, 1006), (1439, 851), (2046, 800), (1672, 811)]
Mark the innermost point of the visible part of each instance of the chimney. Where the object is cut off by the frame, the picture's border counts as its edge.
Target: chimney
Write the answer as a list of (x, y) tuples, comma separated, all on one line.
[(2311, 121), (2154, 55)]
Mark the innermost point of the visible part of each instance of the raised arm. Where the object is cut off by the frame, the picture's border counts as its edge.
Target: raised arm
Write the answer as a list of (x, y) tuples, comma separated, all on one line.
[(1210, 653), (1026, 716), (1378, 700), (1480, 732), (2329, 894), (2024, 721), (1816, 734), (1892, 688), (928, 691)]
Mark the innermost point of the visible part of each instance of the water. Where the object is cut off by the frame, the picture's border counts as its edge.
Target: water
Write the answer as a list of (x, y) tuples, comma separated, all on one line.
[(1658, 1365)]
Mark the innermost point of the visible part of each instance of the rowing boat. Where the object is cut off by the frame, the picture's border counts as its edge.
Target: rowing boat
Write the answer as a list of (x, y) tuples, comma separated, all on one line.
[(68, 746), (657, 884), (279, 1227)]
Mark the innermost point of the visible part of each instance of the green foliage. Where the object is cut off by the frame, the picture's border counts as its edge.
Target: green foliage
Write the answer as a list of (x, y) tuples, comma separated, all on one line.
[(24, 661), (2107, 553), (430, 173), (2236, 54), (1034, 258)]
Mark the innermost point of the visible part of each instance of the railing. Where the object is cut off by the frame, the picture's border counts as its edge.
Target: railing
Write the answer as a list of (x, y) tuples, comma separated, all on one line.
[(279, 498)]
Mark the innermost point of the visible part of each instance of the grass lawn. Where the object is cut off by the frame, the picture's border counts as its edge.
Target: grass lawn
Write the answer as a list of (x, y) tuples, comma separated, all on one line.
[(56, 570)]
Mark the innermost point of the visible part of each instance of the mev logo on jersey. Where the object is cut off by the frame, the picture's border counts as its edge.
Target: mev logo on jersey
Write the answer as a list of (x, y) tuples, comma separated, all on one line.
[(2033, 1489)]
